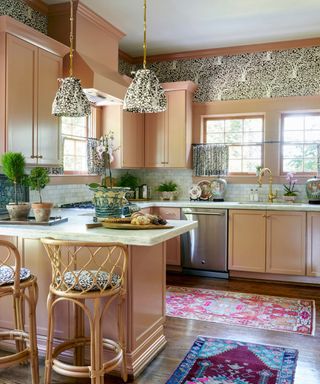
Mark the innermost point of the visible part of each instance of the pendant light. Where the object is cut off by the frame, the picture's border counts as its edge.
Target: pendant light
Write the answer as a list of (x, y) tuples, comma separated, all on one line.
[(145, 94), (70, 100)]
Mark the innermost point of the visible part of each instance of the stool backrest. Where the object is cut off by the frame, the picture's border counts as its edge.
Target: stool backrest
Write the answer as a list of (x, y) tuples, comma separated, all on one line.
[(83, 267), (10, 264)]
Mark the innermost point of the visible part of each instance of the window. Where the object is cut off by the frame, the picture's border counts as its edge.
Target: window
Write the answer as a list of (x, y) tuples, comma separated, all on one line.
[(244, 137), (300, 138), (75, 131)]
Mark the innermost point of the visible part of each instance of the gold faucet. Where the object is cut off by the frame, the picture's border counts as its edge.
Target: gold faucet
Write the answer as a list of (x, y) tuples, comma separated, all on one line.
[(271, 195)]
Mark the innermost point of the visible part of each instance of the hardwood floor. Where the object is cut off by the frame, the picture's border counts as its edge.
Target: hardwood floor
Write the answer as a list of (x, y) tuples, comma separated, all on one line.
[(182, 333)]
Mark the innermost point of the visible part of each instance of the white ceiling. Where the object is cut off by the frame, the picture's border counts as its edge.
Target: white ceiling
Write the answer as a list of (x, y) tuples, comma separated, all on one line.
[(185, 25)]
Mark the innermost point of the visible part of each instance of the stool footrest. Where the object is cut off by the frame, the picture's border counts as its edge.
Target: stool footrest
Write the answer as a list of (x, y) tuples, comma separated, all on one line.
[(84, 370)]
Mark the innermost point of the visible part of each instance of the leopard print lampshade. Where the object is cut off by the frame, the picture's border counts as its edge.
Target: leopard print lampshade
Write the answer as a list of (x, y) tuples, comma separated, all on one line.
[(145, 94), (70, 100)]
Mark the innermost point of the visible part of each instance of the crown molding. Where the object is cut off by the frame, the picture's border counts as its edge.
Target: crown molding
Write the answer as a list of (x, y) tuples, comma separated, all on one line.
[(225, 51), (38, 5), (124, 56), (99, 21)]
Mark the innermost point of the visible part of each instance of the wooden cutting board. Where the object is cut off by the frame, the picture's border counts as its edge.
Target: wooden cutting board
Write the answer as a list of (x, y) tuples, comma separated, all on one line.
[(134, 226)]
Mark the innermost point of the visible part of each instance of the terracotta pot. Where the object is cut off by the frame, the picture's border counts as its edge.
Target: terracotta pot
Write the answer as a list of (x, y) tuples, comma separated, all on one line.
[(42, 211), (18, 212)]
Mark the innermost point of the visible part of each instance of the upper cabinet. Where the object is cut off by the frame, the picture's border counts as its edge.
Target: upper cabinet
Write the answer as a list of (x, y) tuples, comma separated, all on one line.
[(30, 66), (168, 135), (132, 155)]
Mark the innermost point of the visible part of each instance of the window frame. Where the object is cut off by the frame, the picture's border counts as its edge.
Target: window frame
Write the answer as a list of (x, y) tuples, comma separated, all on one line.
[(282, 142), (237, 117), (91, 131)]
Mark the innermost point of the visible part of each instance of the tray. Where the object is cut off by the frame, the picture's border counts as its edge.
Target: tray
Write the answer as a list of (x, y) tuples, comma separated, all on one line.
[(32, 221), (134, 226)]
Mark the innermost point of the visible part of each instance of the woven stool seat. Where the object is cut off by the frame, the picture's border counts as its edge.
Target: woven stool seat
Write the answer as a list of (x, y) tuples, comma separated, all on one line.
[(7, 274), (19, 284), (92, 277), (86, 281)]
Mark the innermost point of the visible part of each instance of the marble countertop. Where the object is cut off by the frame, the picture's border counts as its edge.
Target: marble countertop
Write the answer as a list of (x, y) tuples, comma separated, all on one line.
[(75, 229), (276, 206)]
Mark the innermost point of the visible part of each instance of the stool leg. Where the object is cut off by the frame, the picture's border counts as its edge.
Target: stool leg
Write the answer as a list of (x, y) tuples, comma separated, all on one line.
[(18, 320), (96, 345), (48, 362), (33, 333), (122, 337), (79, 332)]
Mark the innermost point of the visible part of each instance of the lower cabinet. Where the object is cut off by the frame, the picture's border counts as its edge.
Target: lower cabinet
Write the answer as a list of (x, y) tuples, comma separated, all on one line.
[(173, 255), (267, 241), (313, 244)]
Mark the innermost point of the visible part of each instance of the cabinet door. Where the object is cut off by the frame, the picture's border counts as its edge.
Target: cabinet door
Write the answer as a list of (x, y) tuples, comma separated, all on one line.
[(7, 316), (21, 97), (175, 130), (313, 244), (247, 235), (155, 139), (133, 140), (47, 133), (173, 249), (286, 233), (37, 261)]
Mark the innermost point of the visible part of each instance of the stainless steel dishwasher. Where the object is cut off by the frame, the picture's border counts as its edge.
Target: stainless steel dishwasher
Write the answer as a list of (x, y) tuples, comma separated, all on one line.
[(204, 249)]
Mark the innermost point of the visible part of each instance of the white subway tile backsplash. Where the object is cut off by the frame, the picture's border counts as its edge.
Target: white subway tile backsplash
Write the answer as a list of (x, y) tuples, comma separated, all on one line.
[(70, 193)]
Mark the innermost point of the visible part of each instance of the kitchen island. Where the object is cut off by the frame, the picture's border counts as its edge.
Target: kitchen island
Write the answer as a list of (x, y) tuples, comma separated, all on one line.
[(146, 280)]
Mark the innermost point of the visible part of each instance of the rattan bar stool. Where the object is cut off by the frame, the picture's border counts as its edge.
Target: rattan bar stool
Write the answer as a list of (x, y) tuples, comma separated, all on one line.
[(92, 277), (21, 285)]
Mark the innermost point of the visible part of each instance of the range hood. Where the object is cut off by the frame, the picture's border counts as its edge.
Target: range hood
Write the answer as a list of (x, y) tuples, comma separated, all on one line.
[(95, 60), (101, 85)]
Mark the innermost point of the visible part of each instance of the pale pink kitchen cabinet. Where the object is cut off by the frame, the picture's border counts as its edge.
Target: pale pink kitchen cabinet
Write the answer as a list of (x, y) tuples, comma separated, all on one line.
[(267, 241), (313, 243), (132, 140), (168, 135), (30, 65)]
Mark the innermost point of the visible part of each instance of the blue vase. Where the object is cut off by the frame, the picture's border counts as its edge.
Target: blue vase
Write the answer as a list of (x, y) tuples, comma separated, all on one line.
[(108, 202)]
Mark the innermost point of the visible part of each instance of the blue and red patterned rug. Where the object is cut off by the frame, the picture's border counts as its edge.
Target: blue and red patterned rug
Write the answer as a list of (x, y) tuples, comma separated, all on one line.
[(221, 361)]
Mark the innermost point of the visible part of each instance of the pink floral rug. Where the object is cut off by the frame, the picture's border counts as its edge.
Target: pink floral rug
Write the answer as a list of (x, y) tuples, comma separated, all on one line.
[(258, 311)]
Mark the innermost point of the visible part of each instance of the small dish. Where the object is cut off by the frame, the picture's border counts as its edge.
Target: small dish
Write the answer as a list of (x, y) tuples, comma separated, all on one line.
[(206, 192), (195, 192)]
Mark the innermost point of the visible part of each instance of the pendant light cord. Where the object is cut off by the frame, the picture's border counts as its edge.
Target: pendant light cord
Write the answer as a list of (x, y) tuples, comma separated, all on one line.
[(71, 39), (145, 35)]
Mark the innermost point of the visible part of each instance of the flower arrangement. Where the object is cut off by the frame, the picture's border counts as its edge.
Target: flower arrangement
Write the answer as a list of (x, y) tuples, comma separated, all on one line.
[(289, 189), (105, 155)]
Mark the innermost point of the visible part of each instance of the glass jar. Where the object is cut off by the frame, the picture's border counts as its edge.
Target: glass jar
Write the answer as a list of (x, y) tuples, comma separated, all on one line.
[(313, 190)]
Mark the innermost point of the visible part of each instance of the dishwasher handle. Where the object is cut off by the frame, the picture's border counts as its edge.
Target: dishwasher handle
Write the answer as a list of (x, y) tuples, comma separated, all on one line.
[(204, 213)]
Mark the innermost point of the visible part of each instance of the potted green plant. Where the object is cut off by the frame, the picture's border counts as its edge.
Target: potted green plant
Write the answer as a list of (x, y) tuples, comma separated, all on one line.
[(130, 181), (168, 190), (289, 192), (38, 179), (13, 165)]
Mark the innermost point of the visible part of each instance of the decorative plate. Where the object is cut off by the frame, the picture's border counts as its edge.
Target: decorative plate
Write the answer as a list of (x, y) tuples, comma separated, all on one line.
[(195, 192), (7, 274), (205, 186)]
